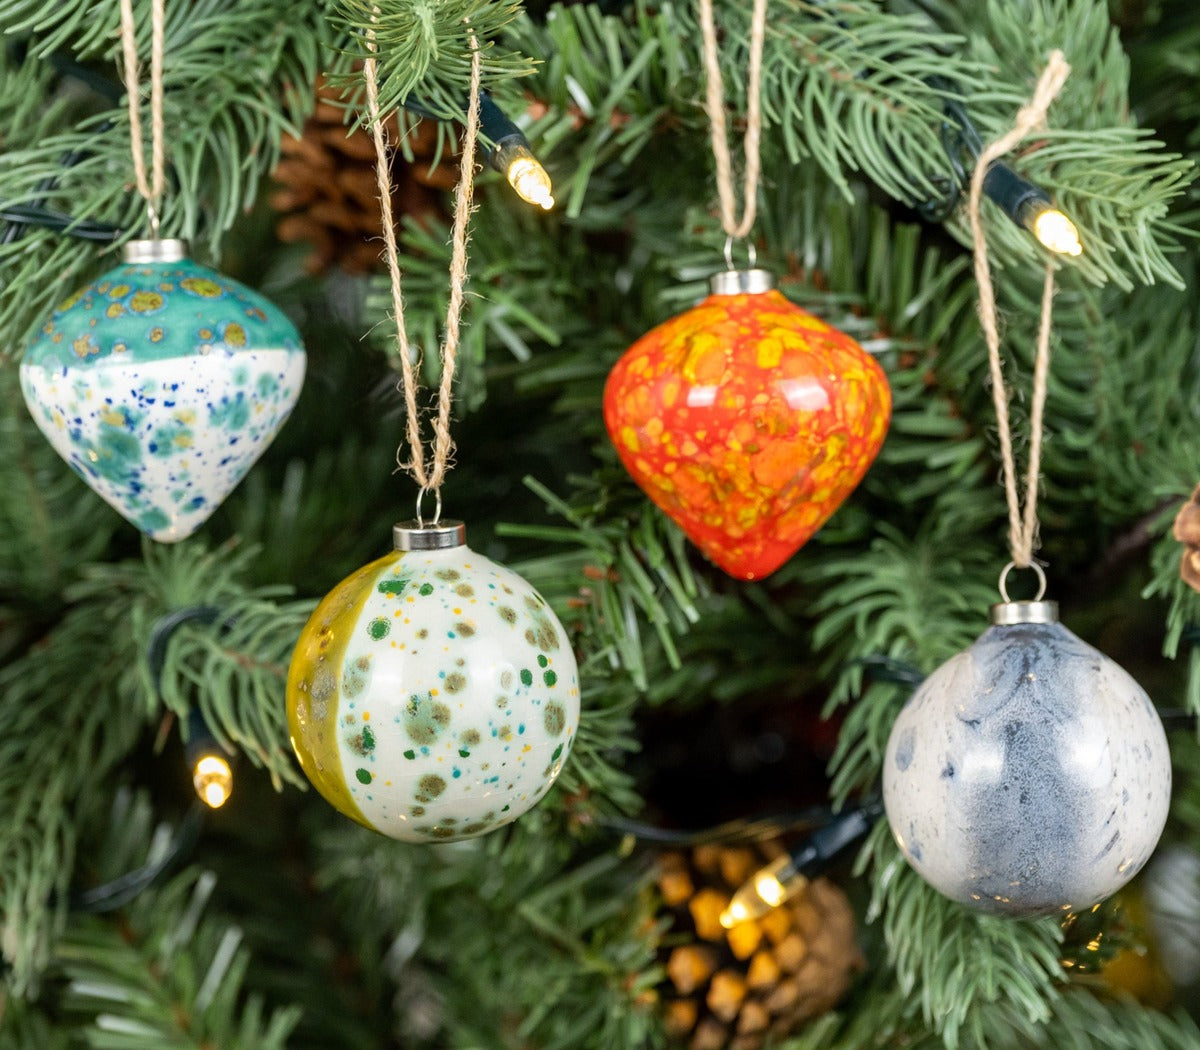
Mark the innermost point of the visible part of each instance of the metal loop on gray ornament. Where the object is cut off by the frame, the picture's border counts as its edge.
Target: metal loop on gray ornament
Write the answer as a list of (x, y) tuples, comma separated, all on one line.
[(437, 506), (1035, 568), (751, 254)]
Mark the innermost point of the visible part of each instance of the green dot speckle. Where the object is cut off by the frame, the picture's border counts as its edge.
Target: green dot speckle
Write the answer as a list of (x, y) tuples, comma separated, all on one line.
[(364, 776), (542, 661), (429, 787), (549, 677), (392, 587), (425, 590), (378, 628), (526, 676), (410, 754), (425, 718), (554, 718)]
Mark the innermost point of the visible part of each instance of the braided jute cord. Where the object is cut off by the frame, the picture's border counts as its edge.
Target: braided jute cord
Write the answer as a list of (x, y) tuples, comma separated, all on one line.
[(1022, 527), (714, 104), (427, 473), (150, 187)]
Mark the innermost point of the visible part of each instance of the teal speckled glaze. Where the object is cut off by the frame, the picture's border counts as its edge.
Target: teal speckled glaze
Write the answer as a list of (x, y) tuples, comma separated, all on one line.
[(161, 383)]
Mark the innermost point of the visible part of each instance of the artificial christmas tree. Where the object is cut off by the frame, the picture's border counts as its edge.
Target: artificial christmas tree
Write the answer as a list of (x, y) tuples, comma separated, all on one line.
[(130, 918)]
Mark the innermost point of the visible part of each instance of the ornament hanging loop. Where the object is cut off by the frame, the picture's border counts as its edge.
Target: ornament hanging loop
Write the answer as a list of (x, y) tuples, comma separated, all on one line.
[(751, 253), (437, 505), (1035, 568)]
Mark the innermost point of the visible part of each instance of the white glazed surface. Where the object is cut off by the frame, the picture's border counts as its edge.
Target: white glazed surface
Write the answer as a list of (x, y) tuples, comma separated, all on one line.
[(164, 442)]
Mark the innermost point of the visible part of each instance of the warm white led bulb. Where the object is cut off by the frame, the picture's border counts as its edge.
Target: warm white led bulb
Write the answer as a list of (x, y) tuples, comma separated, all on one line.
[(531, 181), (770, 887), (1057, 232), (213, 780)]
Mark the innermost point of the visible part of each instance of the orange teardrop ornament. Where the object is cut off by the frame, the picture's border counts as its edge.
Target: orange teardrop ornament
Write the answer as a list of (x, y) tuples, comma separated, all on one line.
[(748, 420)]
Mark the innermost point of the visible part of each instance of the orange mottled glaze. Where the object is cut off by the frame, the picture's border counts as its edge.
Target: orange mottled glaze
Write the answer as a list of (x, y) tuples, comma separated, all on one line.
[(749, 421)]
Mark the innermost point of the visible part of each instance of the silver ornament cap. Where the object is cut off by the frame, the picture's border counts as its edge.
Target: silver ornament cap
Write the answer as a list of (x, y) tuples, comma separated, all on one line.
[(167, 250), (1009, 613), (741, 282), (428, 536)]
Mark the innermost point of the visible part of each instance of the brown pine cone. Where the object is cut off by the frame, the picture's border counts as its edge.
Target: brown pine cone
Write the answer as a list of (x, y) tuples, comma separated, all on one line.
[(327, 192), (1187, 532), (731, 989)]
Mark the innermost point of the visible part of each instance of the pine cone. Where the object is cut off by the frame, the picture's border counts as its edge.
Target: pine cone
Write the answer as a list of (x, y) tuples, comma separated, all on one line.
[(327, 191), (731, 989), (1187, 532)]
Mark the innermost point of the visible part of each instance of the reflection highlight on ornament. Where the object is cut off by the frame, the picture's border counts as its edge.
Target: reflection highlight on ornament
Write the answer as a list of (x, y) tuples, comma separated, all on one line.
[(805, 394), (213, 780)]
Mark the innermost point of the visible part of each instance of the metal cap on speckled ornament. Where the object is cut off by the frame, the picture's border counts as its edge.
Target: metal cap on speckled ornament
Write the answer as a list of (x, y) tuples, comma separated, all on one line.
[(160, 384)]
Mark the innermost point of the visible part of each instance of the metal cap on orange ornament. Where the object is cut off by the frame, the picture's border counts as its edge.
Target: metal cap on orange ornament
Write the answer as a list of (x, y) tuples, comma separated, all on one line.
[(748, 420)]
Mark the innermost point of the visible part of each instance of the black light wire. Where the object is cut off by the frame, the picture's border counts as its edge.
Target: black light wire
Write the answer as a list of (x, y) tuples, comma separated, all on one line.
[(120, 891)]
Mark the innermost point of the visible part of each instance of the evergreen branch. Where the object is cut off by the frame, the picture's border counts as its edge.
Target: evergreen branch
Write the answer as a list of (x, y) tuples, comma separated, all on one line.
[(425, 48), (636, 572), (59, 737), (953, 963), (579, 943), (167, 975), (235, 80), (235, 671)]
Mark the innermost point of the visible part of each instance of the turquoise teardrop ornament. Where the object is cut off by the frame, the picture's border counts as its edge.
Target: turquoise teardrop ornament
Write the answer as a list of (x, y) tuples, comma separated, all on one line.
[(161, 383)]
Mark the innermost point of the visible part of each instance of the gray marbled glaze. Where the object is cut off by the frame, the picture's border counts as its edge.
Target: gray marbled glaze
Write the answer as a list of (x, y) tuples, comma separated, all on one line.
[(1028, 775)]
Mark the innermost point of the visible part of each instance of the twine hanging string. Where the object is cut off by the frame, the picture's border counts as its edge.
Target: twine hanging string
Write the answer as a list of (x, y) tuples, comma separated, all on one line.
[(714, 104), (1022, 527), (149, 186), (427, 473)]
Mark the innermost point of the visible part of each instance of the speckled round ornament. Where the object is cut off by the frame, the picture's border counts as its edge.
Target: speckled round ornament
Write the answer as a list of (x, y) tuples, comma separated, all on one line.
[(748, 420), (1028, 775), (161, 383), (433, 694)]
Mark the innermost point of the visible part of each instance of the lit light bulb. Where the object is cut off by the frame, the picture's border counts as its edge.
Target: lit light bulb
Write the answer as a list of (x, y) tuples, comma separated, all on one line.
[(213, 780), (779, 881), (1057, 232), (531, 181)]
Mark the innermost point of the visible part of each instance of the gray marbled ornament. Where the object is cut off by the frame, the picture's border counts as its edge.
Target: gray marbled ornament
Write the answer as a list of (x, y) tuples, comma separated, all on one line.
[(1028, 775)]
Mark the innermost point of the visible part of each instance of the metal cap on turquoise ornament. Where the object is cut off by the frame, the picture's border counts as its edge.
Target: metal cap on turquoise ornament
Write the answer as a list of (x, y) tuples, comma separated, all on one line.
[(1028, 775), (161, 383)]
